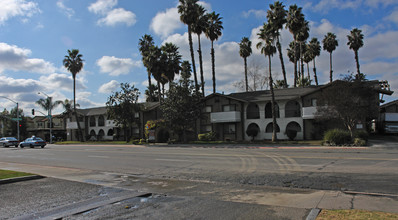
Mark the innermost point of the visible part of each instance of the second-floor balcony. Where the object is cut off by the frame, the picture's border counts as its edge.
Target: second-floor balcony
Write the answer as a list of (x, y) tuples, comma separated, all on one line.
[(73, 125), (309, 112), (225, 117), (390, 116)]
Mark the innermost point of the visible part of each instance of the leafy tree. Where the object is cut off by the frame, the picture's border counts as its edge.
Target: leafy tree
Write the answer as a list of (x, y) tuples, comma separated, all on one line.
[(358, 104), (314, 49), (180, 109), (355, 41), (73, 62), (276, 16), (329, 44), (199, 27), (121, 107), (245, 50), (256, 79), (154, 96), (188, 10), (145, 44), (294, 22), (268, 49), (213, 32)]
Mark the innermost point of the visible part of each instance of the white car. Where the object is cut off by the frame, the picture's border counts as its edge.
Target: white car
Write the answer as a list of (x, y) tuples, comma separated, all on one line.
[(9, 141)]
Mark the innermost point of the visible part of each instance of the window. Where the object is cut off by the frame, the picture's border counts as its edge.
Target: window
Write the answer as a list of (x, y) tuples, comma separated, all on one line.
[(313, 102), (136, 115), (92, 121), (268, 110), (292, 109), (39, 124), (252, 111), (206, 128), (207, 109), (136, 131), (229, 129), (101, 121), (228, 108), (110, 132)]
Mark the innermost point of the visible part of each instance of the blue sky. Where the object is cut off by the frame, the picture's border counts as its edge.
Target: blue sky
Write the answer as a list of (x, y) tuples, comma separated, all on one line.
[(36, 34)]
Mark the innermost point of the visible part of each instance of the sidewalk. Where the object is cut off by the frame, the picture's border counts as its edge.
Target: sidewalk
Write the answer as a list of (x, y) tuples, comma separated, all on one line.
[(70, 192)]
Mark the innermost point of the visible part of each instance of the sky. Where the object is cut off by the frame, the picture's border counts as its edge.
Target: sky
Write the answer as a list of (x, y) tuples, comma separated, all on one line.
[(36, 34)]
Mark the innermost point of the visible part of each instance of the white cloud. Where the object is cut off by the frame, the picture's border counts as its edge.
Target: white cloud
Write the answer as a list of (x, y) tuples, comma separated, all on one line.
[(116, 66), (62, 81), (165, 23), (13, 8), (393, 16), (117, 16), (260, 14), (110, 16), (109, 87), (69, 12), (102, 6), (16, 59)]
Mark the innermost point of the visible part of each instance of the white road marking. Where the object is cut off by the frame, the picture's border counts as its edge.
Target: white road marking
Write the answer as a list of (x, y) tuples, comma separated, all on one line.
[(174, 160), (95, 156)]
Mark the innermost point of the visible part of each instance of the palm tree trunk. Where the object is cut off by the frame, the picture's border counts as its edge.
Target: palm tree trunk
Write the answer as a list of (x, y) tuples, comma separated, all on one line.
[(192, 57), (295, 63), (274, 125), (331, 71), (246, 81), (202, 80), (278, 44), (213, 68), (315, 76), (150, 85), (357, 61), (302, 66), (81, 136), (308, 71), (160, 92)]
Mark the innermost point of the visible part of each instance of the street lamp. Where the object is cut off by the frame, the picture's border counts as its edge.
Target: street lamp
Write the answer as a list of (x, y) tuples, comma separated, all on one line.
[(17, 112), (49, 115)]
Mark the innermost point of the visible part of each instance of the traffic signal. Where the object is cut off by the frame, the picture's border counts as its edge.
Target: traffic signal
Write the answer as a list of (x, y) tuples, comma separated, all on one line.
[(33, 111)]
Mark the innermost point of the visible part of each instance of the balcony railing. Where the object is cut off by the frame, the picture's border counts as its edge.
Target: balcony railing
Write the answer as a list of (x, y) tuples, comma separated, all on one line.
[(309, 112), (73, 125), (224, 117), (391, 116)]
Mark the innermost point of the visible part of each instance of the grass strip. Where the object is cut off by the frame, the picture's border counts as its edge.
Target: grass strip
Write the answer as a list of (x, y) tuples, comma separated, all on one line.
[(355, 215), (6, 174)]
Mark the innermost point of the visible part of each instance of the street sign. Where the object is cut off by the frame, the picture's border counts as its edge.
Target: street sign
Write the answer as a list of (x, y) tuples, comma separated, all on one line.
[(16, 119)]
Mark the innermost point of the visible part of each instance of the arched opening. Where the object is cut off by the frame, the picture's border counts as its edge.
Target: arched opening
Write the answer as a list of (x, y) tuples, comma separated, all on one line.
[(110, 132), (92, 121), (93, 136), (252, 130), (292, 129), (268, 110), (292, 109), (252, 111), (270, 128), (101, 120), (101, 134)]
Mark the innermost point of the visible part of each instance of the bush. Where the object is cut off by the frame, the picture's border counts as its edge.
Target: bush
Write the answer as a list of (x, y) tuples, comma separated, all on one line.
[(361, 134), (359, 142), (211, 136), (337, 137)]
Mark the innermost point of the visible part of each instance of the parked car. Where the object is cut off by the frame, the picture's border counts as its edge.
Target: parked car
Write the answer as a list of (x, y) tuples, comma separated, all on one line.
[(9, 141), (33, 142)]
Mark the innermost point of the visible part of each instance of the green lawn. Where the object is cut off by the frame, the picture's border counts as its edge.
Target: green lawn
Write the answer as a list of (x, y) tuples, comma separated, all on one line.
[(355, 215), (5, 174)]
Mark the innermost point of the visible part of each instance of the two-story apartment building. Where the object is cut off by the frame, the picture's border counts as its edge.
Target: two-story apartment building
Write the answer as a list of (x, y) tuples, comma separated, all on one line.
[(389, 117), (230, 116), (96, 125), (40, 126)]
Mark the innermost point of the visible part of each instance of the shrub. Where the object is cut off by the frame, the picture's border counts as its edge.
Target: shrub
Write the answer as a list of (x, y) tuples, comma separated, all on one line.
[(359, 142), (337, 137), (211, 136), (361, 134)]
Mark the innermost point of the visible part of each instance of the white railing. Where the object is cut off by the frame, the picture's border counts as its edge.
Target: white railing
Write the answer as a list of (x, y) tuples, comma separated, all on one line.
[(224, 117), (309, 112)]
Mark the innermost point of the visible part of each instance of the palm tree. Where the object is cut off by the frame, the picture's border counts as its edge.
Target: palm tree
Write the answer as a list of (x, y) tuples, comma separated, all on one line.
[(329, 44), (188, 14), (145, 43), (185, 74), (245, 50), (156, 63), (73, 62), (307, 57), (276, 16), (48, 105), (268, 48), (213, 32), (302, 37), (198, 28), (314, 48), (67, 105), (355, 41), (172, 62), (294, 22)]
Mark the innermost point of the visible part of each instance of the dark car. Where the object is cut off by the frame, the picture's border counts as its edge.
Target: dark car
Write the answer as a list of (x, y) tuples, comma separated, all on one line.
[(9, 141), (33, 142)]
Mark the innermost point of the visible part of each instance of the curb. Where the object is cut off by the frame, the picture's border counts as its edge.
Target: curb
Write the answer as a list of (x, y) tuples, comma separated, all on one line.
[(313, 214), (20, 179)]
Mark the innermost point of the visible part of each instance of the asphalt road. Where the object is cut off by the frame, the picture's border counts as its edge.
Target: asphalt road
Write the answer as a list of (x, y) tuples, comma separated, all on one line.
[(188, 179)]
